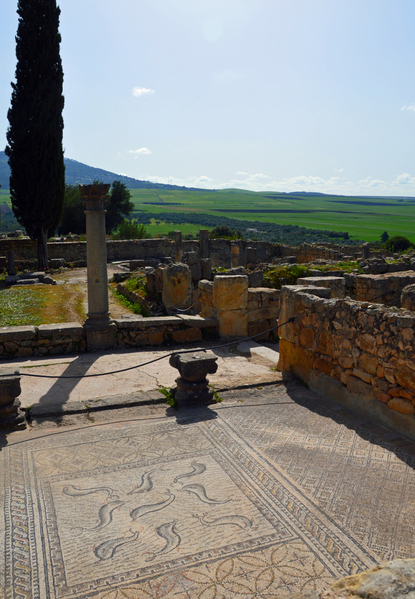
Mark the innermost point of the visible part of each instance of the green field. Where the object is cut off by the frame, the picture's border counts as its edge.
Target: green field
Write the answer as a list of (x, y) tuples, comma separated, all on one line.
[(362, 217)]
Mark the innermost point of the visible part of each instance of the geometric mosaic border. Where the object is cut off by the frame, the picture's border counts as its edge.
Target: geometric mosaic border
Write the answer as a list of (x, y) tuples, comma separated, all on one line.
[(35, 565)]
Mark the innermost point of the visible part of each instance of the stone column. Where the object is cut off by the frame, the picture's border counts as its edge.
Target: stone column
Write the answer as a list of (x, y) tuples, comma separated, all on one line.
[(11, 416), (234, 256), (100, 329), (178, 246), (365, 251), (250, 256), (204, 243)]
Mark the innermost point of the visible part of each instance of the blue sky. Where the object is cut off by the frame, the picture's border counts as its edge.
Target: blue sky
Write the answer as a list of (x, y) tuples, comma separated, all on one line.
[(282, 95)]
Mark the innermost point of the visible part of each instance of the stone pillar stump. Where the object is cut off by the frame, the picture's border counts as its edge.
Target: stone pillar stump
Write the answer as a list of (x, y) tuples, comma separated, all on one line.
[(11, 416), (192, 385), (366, 251), (204, 243), (100, 329), (178, 246)]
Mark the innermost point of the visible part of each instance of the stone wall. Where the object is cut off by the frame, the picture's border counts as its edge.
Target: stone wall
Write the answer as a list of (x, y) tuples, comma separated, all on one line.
[(382, 289), (70, 338), (240, 311), (47, 339), (359, 354), (137, 249)]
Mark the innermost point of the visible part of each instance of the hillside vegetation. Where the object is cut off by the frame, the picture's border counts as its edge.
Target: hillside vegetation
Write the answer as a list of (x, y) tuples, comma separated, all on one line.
[(279, 217)]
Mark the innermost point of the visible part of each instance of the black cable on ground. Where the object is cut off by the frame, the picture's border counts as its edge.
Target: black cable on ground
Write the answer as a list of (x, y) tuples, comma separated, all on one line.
[(185, 351)]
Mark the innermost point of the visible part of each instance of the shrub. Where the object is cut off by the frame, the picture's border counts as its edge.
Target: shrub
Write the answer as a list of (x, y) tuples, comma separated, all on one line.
[(131, 229), (398, 244), (285, 275)]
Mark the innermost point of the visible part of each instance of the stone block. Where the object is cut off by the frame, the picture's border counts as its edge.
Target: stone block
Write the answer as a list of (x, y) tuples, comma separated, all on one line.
[(356, 385), (206, 267), (198, 321), (368, 362), (187, 335), (134, 264), (408, 297), (383, 397), (73, 330), (336, 284), (204, 243), (230, 292), (191, 258), (261, 314), (196, 271), (17, 333), (257, 330), (177, 286), (400, 392), (367, 343), (232, 323), (364, 376), (214, 256), (156, 338), (307, 338), (256, 278), (401, 405), (56, 262), (323, 366)]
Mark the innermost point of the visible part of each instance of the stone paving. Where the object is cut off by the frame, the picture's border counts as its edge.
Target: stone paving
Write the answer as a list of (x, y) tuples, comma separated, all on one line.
[(273, 491)]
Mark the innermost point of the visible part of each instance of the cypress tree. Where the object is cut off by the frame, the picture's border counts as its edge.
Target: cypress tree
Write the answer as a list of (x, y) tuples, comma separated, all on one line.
[(37, 180)]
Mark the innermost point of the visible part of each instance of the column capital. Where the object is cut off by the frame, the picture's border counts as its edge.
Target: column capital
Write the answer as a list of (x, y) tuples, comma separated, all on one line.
[(94, 195)]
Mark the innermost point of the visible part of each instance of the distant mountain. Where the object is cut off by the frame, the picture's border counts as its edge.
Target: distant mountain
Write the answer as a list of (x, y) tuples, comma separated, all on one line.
[(82, 174)]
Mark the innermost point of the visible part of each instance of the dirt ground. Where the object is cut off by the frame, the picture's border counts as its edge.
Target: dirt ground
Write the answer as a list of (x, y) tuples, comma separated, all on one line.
[(76, 302)]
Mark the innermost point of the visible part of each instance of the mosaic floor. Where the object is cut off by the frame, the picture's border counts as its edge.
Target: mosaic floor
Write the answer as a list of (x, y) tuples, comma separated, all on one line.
[(360, 473), (161, 509)]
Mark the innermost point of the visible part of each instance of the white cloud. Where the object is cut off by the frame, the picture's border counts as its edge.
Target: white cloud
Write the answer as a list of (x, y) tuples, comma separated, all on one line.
[(141, 151), (411, 107), (405, 179), (141, 91), (403, 184), (339, 170)]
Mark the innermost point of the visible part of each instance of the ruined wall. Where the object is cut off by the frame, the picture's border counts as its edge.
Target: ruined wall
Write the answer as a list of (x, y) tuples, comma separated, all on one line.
[(383, 289), (356, 353), (70, 338), (239, 310), (137, 249)]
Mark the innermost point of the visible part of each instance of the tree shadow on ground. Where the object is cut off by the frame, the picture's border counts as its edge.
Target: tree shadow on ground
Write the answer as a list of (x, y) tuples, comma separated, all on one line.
[(53, 402)]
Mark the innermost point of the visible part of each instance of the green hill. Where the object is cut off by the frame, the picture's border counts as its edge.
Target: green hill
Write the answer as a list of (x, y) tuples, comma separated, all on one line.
[(82, 174)]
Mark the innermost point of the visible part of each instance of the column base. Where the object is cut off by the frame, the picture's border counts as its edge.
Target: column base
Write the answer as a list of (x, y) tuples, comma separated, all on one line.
[(100, 335)]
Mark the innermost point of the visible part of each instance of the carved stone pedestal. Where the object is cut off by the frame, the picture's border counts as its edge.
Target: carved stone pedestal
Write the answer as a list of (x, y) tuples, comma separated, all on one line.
[(11, 416), (192, 385)]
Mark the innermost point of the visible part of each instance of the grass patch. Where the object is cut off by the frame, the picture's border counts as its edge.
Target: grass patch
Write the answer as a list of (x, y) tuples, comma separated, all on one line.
[(19, 307), (137, 284), (216, 395), (169, 397), (285, 275), (348, 267), (44, 304), (132, 306)]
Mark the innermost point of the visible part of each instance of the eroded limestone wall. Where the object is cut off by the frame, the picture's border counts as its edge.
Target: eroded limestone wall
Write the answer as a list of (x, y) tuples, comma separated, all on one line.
[(137, 249), (240, 310), (70, 338), (358, 353)]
